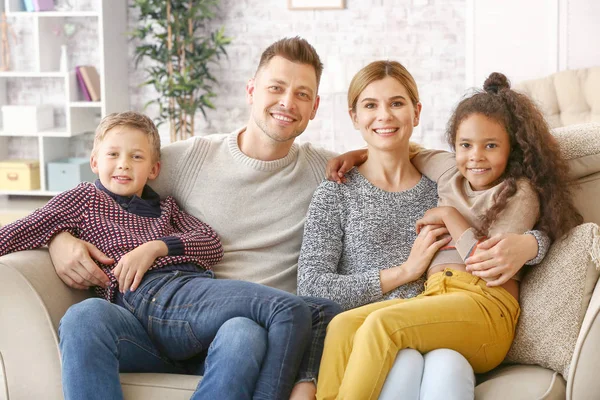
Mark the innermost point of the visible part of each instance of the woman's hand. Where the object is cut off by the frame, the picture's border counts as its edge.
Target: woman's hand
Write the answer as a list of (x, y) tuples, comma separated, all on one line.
[(499, 258), (433, 216), (72, 260), (132, 266), (338, 166), (429, 240)]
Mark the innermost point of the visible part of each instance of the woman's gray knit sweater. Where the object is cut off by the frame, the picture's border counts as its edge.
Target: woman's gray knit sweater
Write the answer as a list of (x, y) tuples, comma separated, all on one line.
[(355, 230)]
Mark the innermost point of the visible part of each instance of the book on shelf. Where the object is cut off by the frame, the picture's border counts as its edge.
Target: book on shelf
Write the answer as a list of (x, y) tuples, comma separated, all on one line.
[(81, 82), (89, 81)]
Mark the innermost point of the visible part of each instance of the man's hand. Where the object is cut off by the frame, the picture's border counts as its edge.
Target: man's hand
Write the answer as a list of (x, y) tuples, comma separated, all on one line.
[(132, 266), (499, 258), (72, 259), (338, 166)]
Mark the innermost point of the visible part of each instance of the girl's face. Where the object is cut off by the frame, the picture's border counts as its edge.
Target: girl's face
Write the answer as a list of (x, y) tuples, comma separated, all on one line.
[(482, 151), (385, 115)]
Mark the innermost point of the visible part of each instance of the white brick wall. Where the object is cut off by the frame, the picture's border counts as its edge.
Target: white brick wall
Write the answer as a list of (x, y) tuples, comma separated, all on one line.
[(427, 36)]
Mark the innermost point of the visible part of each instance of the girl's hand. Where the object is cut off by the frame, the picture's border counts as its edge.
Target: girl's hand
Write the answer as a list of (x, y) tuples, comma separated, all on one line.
[(132, 266), (338, 166), (433, 216), (499, 258), (428, 242)]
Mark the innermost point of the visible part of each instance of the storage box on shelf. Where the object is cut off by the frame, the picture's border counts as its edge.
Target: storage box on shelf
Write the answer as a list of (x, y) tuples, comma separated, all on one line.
[(26, 119), (68, 173), (19, 175), (80, 116)]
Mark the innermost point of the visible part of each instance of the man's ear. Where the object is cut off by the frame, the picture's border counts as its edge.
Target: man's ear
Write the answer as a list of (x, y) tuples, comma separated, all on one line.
[(250, 86), (94, 163), (154, 171), (417, 114), (352, 114), (315, 107)]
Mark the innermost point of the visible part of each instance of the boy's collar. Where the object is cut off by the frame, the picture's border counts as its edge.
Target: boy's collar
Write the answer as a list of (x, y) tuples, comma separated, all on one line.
[(148, 204)]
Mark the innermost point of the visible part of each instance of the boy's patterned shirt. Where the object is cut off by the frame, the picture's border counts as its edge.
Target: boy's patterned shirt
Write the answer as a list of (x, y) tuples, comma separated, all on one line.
[(95, 216)]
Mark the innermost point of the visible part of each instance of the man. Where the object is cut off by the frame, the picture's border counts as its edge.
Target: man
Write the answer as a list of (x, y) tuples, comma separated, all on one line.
[(253, 187)]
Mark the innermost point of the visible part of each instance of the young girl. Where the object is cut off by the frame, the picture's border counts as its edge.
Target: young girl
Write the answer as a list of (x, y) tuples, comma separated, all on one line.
[(506, 174)]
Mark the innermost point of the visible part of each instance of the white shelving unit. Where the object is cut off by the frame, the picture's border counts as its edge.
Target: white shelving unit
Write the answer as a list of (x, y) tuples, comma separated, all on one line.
[(80, 116)]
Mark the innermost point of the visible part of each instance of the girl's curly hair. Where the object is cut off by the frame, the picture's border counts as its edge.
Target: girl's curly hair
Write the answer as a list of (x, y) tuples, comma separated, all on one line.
[(534, 154)]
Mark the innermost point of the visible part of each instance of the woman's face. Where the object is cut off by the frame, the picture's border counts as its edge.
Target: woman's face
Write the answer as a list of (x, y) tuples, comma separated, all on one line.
[(385, 115)]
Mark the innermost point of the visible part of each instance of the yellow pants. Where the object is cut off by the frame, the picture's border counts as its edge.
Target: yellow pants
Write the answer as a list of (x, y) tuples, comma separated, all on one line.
[(456, 311)]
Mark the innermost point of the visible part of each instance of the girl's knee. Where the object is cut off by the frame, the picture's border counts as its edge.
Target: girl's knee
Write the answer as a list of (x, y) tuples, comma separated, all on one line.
[(346, 321), (375, 320)]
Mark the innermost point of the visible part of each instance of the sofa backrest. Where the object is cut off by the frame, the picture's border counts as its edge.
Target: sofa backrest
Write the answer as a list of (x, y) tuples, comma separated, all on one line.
[(580, 145), (566, 97)]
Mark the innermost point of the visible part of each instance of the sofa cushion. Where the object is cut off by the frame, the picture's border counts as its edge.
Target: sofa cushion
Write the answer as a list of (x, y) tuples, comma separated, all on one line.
[(566, 97), (554, 298), (580, 146), (144, 386), (520, 382)]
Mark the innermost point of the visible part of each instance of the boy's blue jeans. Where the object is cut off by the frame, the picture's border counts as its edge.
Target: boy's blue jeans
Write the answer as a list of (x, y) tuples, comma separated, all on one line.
[(248, 340)]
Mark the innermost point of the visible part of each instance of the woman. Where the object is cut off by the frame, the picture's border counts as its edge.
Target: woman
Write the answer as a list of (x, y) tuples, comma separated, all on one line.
[(360, 244)]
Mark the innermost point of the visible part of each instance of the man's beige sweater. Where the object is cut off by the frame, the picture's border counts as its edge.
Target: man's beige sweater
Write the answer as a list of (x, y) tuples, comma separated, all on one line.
[(257, 207)]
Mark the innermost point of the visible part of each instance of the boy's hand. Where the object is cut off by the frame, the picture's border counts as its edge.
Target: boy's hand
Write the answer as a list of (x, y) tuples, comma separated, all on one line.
[(132, 266), (338, 166), (433, 216)]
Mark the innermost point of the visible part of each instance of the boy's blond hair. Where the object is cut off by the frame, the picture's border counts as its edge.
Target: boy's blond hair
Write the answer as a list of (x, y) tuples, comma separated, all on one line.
[(133, 120)]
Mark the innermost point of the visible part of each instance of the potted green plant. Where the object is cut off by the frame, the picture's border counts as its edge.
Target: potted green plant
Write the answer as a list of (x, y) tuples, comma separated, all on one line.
[(175, 37)]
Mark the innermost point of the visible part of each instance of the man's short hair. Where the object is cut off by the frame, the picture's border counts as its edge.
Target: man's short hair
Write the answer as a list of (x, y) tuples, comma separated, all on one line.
[(296, 50), (132, 120)]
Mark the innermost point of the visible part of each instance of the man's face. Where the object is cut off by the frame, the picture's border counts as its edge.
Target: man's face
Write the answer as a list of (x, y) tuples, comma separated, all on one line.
[(283, 96)]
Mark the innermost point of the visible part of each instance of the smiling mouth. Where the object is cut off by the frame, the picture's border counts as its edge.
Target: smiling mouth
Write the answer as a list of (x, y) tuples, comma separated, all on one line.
[(385, 131), (478, 170), (121, 178), (282, 118)]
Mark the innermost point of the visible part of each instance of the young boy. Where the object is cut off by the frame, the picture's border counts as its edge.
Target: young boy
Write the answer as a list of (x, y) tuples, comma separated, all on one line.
[(120, 214), (160, 272)]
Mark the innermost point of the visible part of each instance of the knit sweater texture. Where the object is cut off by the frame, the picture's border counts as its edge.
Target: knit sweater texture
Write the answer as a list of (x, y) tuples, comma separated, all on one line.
[(116, 225), (258, 207), (355, 230)]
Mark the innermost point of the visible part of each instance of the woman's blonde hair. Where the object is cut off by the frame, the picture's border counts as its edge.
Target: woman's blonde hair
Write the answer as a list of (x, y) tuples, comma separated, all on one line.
[(376, 71)]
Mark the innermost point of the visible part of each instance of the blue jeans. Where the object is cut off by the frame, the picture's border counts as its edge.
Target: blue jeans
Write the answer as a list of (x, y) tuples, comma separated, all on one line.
[(181, 322)]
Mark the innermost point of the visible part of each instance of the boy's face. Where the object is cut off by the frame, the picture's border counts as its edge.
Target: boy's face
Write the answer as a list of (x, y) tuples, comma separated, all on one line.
[(124, 161)]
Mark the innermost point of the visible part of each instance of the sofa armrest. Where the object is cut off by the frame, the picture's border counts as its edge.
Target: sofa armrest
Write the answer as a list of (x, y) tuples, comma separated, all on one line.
[(33, 299), (583, 382)]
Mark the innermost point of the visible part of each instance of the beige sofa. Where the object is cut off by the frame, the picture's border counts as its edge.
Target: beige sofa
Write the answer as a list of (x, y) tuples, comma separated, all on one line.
[(566, 97), (33, 299)]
